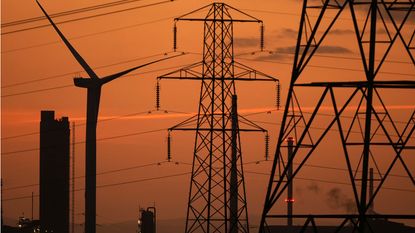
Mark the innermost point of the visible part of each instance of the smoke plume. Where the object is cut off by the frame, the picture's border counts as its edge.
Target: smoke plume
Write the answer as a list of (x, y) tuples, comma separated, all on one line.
[(338, 200)]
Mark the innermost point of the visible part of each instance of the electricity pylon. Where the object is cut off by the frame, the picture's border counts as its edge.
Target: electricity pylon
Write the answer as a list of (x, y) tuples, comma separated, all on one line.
[(217, 200), (93, 86), (379, 28)]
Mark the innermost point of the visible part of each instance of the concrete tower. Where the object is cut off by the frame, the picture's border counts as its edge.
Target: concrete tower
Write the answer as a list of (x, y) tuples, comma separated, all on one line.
[(54, 173)]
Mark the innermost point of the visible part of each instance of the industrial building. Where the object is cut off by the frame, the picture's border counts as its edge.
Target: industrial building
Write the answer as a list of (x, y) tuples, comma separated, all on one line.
[(147, 222), (54, 173)]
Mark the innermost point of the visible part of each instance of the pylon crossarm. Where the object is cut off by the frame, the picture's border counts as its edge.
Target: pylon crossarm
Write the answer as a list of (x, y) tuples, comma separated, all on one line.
[(244, 120), (189, 72), (190, 121), (246, 73), (254, 19), (219, 20), (201, 9), (337, 5), (216, 130), (186, 17), (194, 72)]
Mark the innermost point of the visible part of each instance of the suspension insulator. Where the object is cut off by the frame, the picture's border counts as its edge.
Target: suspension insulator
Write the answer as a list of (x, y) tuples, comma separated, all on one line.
[(266, 146), (278, 100), (174, 38), (262, 37), (168, 147), (158, 95)]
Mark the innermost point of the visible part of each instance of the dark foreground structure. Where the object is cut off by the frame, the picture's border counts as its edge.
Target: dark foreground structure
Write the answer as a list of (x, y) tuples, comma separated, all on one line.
[(147, 222), (343, 104), (377, 226), (54, 173)]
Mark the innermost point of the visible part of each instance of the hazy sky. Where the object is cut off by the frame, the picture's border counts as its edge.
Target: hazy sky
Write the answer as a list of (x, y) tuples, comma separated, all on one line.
[(37, 71)]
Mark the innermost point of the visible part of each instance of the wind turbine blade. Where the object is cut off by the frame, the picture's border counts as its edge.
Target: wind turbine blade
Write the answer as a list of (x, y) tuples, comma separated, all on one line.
[(77, 56), (109, 78)]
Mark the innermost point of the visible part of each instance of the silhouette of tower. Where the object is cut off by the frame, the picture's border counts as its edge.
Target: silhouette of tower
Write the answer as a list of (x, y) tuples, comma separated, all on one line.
[(147, 222), (363, 105), (54, 173), (217, 201)]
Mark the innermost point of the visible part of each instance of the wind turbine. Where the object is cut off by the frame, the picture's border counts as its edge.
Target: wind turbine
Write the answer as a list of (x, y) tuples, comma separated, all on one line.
[(93, 85)]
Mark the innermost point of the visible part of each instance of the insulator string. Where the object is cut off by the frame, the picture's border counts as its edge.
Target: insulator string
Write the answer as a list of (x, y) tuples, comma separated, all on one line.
[(174, 37), (266, 146), (278, 100), (262, 37), (158, 95), (168, 146)]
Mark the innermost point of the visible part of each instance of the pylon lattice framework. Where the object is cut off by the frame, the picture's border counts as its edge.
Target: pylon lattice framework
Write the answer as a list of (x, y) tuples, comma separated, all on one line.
[(217, 199), (385, 26)]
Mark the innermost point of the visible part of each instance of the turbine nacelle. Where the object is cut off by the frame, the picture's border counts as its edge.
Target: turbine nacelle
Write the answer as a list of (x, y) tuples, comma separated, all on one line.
[(87, 82)]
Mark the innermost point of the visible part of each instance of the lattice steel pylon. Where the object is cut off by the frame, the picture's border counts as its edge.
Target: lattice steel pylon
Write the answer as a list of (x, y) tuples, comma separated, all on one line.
[(217, 200), (380, 27)]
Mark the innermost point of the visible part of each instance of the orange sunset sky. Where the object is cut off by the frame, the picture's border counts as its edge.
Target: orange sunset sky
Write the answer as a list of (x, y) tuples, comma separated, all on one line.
[(37, 71)]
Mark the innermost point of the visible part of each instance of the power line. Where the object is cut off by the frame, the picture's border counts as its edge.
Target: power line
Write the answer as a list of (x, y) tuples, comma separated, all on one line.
[(66, 13), (132, 134), (99, 121), (99, 139), (98, 174), (72, 73), (326, 67), (271, 12), (306, 165), (19, 135), (187, 173), (36, 91), (325, 56), (188, 164), (88, 17), (139, 113), (113, 184), (121, 170), (141, 180), (295, 14), (292, 14), (66, 86), (269, 61), (343, 169), (89, 34), (358, 59), (331, 182), (115, 118), (320, 128), (323, 67)]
